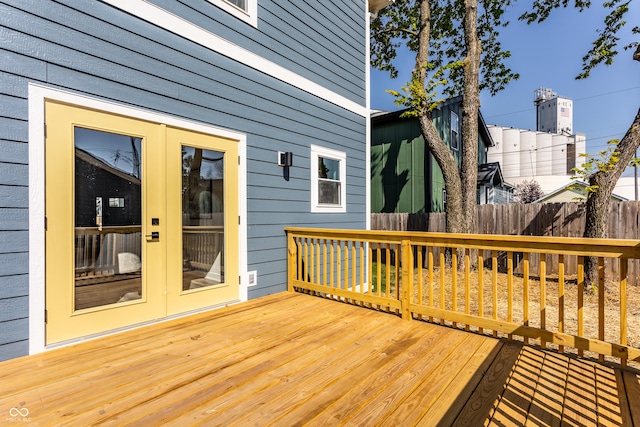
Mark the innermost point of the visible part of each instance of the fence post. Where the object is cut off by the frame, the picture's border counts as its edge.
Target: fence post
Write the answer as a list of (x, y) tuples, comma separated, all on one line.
[(407, 280)]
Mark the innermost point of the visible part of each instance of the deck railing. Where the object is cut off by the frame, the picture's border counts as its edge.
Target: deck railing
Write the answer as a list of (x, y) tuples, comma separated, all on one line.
[(479, 282)]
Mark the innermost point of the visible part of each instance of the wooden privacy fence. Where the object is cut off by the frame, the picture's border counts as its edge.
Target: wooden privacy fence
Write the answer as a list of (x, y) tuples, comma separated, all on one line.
[(533, 219), (455, 280)]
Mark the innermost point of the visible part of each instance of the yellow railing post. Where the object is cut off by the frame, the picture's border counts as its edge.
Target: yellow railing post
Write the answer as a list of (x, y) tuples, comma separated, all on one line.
[(291, 255), (407, 280)]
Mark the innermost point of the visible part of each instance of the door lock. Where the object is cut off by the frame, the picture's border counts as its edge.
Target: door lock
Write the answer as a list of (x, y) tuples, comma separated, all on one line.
[(155, 235)]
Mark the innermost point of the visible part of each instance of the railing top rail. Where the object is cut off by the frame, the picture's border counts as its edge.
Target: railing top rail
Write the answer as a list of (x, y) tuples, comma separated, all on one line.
[(613, 248)]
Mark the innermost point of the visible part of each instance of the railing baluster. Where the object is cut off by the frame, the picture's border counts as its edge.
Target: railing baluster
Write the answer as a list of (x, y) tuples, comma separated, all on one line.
[(312, 261), (624, 266), (353, 266), (510, 289), (467, 285), (561, 298), (543, 295), (454, 282), (420, 278), (525, 292), (442, 276), (299, 257), (346, 265), (407, 278), (601, 303), (396, 292), (430, 260), (370, 266), (494, 287), (332, 260), (318, 262), (580, 298), (324, 262), (362, 281), (387, 271), (480, 286), (379, 269), (339, 264)]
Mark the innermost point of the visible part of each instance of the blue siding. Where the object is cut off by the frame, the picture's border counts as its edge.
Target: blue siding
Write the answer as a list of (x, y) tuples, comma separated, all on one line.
[(319, 40), (94, 49)]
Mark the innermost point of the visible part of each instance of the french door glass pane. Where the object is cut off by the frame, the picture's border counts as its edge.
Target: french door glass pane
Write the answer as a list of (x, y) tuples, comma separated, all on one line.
[(202, 218), (108, 214)]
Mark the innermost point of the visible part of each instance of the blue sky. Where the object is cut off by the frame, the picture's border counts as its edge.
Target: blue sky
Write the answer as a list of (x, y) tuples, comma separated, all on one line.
[(550, 55)]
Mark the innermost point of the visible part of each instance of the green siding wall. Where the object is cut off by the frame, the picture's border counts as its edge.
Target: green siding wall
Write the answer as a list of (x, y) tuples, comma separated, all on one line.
[(398, 168), (405, 177)]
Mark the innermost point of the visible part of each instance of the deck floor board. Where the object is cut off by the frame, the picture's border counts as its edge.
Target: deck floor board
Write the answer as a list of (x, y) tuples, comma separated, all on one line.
[(294, 359)]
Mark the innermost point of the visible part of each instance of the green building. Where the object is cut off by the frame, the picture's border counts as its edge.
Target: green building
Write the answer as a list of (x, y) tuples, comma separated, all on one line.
[(405, 176)]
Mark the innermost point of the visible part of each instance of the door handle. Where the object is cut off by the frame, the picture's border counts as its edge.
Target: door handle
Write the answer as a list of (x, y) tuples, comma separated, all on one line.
[(155, 235)]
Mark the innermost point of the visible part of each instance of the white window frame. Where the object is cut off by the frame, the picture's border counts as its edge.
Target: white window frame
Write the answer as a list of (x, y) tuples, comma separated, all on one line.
[(316, 153), (250, 15), (455, 129)]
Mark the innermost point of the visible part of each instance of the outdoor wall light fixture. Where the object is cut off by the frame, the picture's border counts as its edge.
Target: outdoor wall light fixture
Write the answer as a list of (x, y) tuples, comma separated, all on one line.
[(285, 158)]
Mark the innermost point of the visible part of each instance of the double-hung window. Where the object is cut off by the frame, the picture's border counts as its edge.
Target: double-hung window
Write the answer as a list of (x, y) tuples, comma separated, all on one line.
[(328, 180), (455, 131), (247, 10)]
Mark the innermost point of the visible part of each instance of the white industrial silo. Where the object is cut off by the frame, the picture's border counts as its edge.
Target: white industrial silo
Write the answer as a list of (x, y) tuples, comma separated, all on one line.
[(510, 153), (543, 153), (494, 154), (528, 154), (581, 148), (559, 155)]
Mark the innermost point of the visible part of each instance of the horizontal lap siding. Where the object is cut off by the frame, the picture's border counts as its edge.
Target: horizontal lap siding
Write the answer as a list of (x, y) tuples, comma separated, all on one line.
[(94, 49), (318, 40), (14, 204)]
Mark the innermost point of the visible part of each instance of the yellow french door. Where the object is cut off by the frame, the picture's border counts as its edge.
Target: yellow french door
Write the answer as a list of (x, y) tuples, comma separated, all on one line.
[(141, 221), (202, 213)]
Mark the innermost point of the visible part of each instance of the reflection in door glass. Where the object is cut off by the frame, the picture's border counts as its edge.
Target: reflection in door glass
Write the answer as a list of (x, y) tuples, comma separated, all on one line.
[(108, 210), (202, 218)]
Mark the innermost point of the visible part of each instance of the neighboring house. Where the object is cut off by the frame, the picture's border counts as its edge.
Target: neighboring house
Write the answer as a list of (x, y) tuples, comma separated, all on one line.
[(492, 190), (405, 176), (572, 192), (177, 117)]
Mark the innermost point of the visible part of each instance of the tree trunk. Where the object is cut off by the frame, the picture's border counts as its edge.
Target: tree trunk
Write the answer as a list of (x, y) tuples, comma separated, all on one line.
[(435, 144), (598, 202), (470, 107), (452, 184), (460, 181)]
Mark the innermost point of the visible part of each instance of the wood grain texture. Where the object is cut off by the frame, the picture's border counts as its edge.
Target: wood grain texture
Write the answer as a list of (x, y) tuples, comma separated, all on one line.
[(292, 359)]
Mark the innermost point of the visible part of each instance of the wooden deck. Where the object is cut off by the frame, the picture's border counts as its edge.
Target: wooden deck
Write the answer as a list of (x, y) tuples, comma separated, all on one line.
[(292, 359)]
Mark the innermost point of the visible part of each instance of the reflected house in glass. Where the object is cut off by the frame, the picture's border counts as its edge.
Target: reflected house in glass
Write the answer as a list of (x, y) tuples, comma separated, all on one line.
[(120, 193)]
